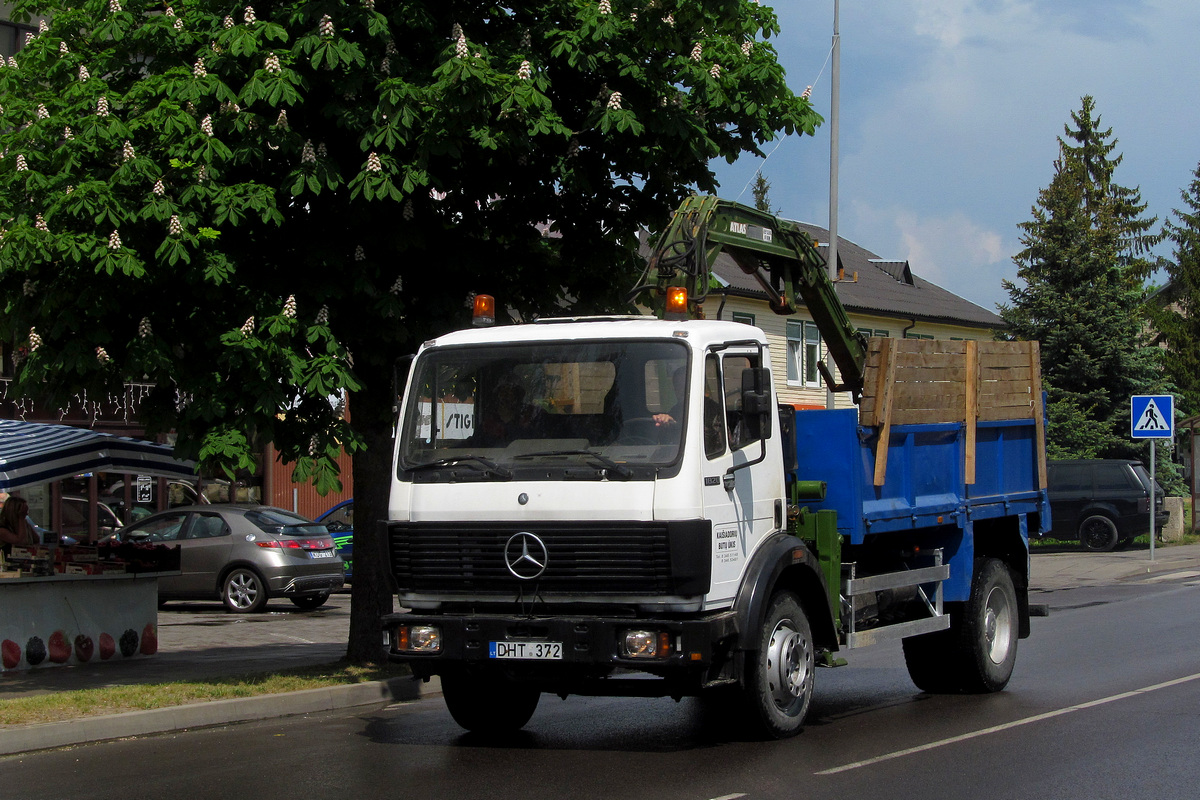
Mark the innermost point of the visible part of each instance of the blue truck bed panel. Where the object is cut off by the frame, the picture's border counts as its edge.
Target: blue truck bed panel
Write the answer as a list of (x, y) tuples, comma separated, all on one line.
[(925, 484)]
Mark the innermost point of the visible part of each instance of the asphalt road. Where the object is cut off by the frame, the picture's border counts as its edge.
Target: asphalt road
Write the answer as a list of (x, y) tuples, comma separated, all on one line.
[(1102, 705)]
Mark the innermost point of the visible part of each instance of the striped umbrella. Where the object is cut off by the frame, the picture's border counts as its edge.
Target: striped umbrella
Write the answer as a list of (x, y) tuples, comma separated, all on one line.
[(32, 452)]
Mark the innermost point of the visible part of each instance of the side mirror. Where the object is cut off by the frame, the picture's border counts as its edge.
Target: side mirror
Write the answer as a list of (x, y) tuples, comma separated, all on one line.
[(756, 403)]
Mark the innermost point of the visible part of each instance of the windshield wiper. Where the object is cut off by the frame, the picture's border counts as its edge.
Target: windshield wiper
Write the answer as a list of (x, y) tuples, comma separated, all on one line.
[(619, 470), (486, 465)]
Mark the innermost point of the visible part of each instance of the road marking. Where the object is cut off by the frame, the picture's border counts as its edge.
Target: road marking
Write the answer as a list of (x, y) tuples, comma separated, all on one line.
[(300, 639), (1173, 576), (730, 796), (1008, 725)]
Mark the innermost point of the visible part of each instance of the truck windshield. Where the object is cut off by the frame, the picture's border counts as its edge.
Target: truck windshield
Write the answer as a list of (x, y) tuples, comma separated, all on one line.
[(607, 409)]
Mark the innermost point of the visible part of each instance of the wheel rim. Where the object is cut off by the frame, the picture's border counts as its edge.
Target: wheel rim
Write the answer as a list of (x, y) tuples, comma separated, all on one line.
[(997, 625), (1096, 534), (788, 659), (243, 590)]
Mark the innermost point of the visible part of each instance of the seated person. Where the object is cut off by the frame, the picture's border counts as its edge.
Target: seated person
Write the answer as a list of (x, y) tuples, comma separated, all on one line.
[(674, 415)]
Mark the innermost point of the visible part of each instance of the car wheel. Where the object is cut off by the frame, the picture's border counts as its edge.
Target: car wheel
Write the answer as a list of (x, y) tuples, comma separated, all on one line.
[(244, 592), (308, 602), (1098, 533)]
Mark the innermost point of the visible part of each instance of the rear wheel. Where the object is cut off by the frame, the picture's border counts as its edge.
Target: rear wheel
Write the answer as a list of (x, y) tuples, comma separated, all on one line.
[(780, 684), (308, 602), (244, 592), (1098, 533), (488, 703), (979, 650)]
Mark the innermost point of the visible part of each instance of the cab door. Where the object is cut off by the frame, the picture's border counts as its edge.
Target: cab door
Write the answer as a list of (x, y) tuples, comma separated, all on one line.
[(739, 521)]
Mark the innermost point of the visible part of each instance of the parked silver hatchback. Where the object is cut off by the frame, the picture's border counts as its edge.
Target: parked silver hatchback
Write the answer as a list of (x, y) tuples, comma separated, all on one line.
[(243, 554)]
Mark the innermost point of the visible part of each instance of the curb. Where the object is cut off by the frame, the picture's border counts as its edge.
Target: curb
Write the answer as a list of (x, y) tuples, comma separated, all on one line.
[(43, 736)]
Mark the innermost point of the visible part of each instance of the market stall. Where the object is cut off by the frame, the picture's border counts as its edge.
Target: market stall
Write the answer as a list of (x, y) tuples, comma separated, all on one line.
[(81, 603)]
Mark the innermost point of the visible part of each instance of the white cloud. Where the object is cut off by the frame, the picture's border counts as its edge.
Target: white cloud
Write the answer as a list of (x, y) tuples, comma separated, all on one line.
[(952, 250)]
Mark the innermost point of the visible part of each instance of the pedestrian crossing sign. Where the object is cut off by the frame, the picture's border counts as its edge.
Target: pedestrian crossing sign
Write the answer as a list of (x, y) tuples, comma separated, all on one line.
[(1153, 416)]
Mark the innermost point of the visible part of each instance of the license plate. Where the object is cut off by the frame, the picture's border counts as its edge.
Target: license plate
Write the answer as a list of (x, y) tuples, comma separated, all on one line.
[(526, 651), (320, 553)]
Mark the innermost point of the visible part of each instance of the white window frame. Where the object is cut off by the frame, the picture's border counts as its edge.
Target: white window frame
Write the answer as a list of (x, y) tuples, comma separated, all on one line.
[(804, 349)]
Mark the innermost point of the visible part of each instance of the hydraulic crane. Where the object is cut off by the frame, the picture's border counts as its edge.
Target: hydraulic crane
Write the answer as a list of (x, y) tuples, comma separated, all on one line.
[(775, 252)]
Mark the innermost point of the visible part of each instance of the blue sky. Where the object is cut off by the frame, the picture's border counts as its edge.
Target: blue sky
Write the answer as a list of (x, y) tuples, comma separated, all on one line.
[(950, 113)]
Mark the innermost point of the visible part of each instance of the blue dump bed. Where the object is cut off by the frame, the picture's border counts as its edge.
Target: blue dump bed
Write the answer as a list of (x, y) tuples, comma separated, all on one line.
[(925, 487)]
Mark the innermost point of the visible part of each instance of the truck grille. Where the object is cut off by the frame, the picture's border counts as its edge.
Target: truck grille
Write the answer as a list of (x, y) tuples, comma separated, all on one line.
[(590, 558)]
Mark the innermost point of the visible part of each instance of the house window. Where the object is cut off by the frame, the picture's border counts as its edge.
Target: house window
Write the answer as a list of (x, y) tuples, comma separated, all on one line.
[(740, 316), (12, 38), (868, 332), (911, 335), (803, 354)]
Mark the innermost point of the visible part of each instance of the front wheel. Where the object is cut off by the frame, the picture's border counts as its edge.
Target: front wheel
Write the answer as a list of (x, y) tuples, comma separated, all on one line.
[(780, 684), (979, 650), (244, 592), (488, 704)]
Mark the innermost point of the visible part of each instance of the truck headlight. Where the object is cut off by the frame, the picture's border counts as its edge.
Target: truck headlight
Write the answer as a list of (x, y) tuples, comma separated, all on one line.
[(645, 644), (418, 639)]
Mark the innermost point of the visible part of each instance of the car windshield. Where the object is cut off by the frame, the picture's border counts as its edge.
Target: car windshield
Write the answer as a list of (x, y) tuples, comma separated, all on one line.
[(561, 409), (283, 522)]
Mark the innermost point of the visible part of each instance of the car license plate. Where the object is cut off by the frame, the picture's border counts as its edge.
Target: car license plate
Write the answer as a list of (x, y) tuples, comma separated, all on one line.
[(320, 553), (527, 651)]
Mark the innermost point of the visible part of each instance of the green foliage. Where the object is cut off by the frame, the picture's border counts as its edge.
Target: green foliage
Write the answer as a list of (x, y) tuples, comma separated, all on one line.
[(344, 174), (762, 194), (1175, 311), (1082, 270)]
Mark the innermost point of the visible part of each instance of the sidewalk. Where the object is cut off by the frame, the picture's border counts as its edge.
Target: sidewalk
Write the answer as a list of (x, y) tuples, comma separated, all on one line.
[(199, 643), (1071, 569)]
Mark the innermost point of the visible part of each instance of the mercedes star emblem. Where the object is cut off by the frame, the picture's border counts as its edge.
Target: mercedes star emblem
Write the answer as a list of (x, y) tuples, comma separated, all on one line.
[(525, 556)]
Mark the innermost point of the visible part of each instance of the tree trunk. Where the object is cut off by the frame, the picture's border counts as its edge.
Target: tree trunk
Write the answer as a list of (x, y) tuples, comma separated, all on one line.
[(371, 587)]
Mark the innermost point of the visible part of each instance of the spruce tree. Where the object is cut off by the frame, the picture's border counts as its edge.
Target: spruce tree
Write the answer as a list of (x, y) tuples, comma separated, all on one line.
[(1176, 314), (1085, 259)]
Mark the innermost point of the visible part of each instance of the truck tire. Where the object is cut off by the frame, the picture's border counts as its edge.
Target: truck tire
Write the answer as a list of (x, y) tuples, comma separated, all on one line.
[(1098, 533), (779, 686), (979, 650), (488, 703)]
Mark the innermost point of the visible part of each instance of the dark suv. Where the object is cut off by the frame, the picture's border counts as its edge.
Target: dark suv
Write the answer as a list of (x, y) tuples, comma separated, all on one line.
[(1103, 502)]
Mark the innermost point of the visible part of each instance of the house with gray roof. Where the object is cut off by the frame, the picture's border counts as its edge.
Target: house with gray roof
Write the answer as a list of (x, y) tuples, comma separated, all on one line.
[(882, 297)]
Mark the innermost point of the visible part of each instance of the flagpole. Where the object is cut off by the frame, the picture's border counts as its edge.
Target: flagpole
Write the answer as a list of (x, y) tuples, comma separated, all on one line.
[(835, 96)]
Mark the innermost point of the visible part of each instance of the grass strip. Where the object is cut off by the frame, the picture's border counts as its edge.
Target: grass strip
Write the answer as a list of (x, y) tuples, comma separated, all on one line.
[(60, 706)]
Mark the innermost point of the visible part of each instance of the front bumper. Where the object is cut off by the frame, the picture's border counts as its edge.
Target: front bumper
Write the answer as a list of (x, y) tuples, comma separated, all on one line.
[(590, 645)]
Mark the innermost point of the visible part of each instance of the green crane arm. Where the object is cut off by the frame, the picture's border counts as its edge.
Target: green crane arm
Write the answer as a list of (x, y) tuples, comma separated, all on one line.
[(775, 252)]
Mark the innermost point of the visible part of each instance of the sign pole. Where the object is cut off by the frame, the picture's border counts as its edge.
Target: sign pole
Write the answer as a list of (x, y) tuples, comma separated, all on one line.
[(1153, 498)]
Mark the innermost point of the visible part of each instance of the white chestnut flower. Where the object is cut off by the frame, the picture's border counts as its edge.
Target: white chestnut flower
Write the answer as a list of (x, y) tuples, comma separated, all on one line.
[(614, 101)]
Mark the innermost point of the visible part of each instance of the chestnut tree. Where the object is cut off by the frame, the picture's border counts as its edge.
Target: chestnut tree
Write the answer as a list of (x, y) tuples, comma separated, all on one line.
[(258, 208)]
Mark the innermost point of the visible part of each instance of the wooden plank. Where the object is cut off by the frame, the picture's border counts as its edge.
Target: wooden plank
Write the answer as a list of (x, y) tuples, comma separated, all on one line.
[(1004, 412), (990, 347), (1009, 399), (927, 398), (971, 398), (887, 374), (1039, 419), (1015, 360), (992, 373)]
